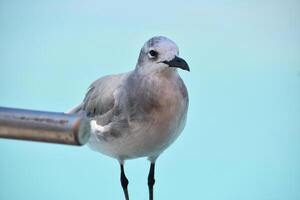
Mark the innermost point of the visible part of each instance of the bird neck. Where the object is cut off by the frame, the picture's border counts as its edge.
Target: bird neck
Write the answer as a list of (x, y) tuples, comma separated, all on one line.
[(161, 71)]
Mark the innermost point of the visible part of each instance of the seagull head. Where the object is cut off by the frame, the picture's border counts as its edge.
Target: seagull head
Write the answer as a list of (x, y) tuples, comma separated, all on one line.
[(160, 53)]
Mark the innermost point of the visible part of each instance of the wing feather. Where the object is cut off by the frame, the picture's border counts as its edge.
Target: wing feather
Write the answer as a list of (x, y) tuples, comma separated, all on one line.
[(100, 99)]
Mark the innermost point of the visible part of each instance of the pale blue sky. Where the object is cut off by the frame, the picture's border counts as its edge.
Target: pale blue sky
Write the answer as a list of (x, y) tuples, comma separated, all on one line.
[(242, 139)]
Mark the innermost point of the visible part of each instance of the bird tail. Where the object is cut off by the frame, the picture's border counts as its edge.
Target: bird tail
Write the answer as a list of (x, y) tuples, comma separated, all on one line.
[(76, 109)]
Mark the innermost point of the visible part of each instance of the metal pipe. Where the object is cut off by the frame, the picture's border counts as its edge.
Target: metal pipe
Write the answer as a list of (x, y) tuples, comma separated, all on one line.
[(43, 126)]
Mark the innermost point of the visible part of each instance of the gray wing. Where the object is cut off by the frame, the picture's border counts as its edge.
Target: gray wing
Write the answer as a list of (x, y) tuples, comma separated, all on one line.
[(100, 100)]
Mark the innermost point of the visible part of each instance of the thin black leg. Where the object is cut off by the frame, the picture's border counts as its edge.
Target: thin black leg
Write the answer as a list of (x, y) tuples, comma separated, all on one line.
[(124, 182), (151, 180)]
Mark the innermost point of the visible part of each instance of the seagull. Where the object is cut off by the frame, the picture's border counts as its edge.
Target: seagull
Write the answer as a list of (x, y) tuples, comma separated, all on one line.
[(139, 113)]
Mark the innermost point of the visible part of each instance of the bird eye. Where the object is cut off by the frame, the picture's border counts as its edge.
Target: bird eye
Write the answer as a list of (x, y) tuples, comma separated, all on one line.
[(153, 54)]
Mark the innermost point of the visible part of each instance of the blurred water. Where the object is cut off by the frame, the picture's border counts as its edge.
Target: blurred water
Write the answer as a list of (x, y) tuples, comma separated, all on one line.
[(242, 139)]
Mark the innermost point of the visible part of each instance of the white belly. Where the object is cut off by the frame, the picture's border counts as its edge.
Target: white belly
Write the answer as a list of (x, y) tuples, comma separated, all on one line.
[(147, 139)]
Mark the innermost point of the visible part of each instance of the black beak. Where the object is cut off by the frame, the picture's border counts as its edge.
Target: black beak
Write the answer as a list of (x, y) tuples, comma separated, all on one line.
[(178, 62)]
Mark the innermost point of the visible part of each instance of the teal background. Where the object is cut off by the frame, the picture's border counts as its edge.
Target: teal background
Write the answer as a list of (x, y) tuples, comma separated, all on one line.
[(242, 138)]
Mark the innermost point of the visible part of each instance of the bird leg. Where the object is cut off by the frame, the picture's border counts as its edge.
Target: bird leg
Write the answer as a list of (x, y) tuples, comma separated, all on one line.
[(151, 180), (124, 182)]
